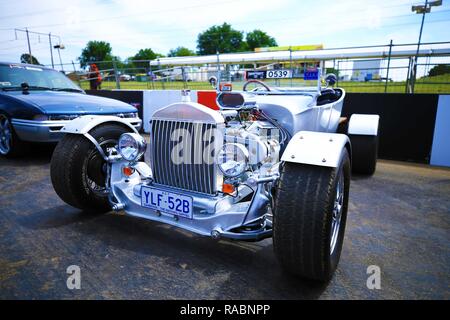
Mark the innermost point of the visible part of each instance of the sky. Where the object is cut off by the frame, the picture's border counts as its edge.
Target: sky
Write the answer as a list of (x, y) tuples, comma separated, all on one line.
[(130, 25)]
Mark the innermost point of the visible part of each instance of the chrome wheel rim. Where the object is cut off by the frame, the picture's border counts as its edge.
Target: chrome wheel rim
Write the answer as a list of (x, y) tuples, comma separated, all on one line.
[(337, 212), (96, 188), (5, 135)]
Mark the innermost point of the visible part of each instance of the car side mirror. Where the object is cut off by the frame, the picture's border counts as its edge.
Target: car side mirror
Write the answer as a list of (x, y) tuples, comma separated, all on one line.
[(330, 79)]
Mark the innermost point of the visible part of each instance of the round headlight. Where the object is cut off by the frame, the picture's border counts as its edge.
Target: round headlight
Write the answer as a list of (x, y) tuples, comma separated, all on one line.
[(131, 146), (232, 159)]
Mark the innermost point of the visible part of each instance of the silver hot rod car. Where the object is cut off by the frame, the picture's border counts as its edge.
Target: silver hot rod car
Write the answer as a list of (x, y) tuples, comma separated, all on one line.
[(272, 162)]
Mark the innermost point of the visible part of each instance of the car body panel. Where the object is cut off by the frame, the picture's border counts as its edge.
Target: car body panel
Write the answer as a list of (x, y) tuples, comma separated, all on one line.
[(316, 148), (84, 124), (301, 112), (363, 124), (51, 102)]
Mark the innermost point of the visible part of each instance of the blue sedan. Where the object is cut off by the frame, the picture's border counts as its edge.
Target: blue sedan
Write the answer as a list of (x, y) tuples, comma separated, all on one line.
[(36, 102)]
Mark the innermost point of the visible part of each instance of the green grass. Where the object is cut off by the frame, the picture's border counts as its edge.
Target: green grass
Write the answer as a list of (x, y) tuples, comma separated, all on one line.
[(437, 84)]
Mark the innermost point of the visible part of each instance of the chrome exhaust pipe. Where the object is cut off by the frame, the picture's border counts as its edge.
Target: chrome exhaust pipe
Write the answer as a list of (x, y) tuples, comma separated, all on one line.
[(118, 206)]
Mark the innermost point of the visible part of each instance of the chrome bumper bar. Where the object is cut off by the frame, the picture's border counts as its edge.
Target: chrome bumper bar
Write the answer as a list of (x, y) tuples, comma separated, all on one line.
[(220, 216)]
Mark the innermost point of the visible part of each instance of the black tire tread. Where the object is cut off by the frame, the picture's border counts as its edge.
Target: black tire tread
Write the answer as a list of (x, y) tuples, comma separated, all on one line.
[(66, 168), (61, 169), (305, 197), (364, 154)]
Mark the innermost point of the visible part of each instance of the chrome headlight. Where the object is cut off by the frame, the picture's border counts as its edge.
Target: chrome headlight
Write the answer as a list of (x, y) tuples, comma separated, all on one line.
[(131, 146), (232, 159)]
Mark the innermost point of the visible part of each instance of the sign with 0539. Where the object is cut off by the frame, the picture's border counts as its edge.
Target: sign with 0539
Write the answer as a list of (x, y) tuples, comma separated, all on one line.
[(278, 74)]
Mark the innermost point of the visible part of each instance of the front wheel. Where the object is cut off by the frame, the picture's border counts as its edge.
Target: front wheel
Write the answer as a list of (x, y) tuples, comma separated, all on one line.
[(309, 218), (78, 171), (10, 144)]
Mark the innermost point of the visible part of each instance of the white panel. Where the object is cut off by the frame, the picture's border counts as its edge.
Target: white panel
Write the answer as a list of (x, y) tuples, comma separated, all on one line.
[(440, 152)]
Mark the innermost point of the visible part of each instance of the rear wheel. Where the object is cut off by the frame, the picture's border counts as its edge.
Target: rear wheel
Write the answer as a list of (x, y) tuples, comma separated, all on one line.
[(10, 144), (364, 153), (310, 214), (78, 171)]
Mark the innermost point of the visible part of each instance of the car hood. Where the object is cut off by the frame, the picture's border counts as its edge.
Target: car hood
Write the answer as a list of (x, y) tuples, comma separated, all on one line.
[(53, 102)]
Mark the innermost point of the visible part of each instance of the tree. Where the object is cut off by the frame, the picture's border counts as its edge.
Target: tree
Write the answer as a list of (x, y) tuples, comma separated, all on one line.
[(259, 39), (144, 54), (220, 38), (96, 51), (25, 58), (181, 52), (438, 70)]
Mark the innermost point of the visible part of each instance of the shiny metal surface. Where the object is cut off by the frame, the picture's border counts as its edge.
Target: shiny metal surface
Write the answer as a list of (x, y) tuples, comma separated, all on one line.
[(337, 211), (5, 135), (191, 172), (185, 137)]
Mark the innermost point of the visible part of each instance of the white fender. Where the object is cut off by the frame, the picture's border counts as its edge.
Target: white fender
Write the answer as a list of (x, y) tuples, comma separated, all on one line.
[(363, 124), (84, 124), (316, 148)]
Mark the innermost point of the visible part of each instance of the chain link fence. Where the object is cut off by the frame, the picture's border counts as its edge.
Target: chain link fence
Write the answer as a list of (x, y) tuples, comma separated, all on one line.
[(388, 74), (395, 75)]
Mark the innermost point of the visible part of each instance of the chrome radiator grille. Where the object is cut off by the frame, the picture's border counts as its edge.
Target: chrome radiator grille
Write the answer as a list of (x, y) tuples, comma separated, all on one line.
[(193, 173)]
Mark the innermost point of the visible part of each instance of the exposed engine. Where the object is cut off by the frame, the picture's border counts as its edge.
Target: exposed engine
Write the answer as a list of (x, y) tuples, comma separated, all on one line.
[(259, 139)]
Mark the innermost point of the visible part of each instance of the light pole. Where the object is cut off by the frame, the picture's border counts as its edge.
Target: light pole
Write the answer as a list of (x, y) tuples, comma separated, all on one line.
[(30, 58), (28, 33), (60, 47), (421, 9), (51, 50)]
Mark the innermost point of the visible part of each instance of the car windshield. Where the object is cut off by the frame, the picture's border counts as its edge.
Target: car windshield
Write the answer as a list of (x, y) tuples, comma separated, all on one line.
[(12, 76)]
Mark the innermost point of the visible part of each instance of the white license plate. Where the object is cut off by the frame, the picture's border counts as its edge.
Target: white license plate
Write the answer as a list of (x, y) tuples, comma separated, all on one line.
[(168, 202), (278, 74)]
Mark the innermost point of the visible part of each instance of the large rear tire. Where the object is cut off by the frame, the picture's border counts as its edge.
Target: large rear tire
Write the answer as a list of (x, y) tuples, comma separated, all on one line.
[(309, 218), (78, 171), (364, 154)]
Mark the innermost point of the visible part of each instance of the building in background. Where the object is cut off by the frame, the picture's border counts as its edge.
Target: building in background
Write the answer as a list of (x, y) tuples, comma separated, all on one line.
[(366, 70)]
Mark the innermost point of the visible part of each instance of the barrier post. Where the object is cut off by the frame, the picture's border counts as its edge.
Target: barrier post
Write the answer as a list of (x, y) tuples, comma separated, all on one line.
[(183, 74), (116, 75), (290, 63), (75, 72), (388, 66)]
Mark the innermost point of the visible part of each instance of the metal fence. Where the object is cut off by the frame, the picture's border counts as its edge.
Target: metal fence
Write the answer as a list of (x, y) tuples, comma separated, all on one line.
[(395, 75), (387, 74)]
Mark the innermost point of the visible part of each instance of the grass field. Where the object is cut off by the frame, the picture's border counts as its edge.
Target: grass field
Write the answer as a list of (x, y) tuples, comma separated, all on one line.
[(438, 84)]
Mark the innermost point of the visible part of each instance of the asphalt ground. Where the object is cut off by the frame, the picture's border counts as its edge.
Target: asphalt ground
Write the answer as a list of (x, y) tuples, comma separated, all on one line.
[(398, 220)]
